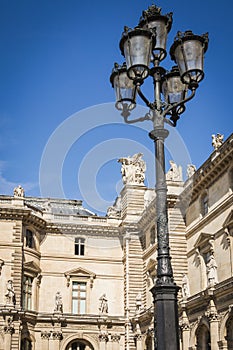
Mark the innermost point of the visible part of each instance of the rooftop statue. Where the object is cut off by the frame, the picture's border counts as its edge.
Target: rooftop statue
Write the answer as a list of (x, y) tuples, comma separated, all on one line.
[(133, 169), (217, 141), (18, 191), (174, 173), (191, 169)]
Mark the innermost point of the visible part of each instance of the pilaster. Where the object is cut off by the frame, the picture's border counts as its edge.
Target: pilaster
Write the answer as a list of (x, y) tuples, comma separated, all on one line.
[(132, 199)]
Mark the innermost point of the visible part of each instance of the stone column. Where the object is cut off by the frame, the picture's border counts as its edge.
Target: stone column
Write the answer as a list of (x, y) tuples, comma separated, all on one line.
[(138, 338), (214, 332), (57, 337), (115, 341), (185, 328), (103, 339), (45, 340), (8, 331), (185, 336)]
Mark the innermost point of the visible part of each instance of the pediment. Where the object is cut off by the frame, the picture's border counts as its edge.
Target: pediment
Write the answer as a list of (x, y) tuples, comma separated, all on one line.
[(204, 239), (80, 272), (31, 267), (229, 220)]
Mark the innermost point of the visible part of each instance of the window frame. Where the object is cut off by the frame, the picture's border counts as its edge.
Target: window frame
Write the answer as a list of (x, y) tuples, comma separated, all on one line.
[(204, 204), (27, 292), (80, 297), (79, 246)]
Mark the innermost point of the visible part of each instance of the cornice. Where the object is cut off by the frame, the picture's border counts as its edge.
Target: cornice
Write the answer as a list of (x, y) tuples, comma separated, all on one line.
[(200, 224), (24, 214), (82, 229), (210, 171)]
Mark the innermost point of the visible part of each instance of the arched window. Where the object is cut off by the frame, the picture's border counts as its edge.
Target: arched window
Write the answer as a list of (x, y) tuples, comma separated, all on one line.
[(79, 345), (229, 336), (203, 338)]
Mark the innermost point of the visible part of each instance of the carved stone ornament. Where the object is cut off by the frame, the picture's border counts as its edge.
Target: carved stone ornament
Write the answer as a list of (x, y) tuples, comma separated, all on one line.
[(133, 169), (1, 265), (9, 327), (217, 141), (185, 287), (45, 335), (10, 293), (103, 337), (211, 270), (115, 338), (103, 306), (138, 303), (57, 335), (19, 191), (58, 303)]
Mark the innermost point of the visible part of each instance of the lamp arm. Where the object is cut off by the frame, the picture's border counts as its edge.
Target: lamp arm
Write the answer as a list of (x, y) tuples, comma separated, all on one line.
[(170, 107), (147, 102)]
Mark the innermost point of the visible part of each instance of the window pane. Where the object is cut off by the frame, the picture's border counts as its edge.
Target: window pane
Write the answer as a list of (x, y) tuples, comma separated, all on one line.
[(74, 306), (82, 286), (82, 306), (82, 250)]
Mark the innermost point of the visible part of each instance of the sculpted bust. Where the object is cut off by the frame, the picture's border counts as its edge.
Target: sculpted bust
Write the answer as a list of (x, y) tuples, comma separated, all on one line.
[(133, 169)]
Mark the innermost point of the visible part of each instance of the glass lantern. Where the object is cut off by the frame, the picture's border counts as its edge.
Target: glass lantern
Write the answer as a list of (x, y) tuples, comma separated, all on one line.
[(188, 52), (161, 25), (136, 46), (173, 89), (125, 90)]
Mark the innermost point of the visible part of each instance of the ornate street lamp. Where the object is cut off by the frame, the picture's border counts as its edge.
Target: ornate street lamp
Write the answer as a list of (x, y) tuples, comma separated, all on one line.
[(144, 47)]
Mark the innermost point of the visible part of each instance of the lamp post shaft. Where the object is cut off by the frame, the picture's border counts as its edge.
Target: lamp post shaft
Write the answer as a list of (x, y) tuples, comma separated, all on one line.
[(165, 290), (177, 87)]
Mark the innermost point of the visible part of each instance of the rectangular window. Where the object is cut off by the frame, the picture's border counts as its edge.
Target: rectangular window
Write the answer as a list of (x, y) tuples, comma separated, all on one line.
[(27, 292), (79, 246), (205, 205), (29, 239), (79, 297)]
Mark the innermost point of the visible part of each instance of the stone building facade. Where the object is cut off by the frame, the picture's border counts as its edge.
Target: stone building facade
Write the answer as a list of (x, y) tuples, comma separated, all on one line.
[(73, 280)]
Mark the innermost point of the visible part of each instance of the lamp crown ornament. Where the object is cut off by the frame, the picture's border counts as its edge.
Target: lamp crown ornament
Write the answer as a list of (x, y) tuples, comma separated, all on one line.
[(154, 12)]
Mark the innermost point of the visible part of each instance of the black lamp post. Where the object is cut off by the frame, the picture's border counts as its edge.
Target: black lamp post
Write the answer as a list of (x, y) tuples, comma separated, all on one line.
[(144, 47)]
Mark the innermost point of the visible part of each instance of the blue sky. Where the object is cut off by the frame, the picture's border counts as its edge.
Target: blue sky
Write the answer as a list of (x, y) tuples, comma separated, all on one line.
[(56, 58)]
